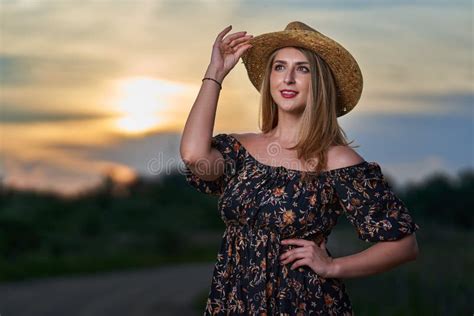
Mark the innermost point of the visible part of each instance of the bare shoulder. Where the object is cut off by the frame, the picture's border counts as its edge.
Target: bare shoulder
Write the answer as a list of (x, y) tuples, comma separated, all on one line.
[(343, 156)]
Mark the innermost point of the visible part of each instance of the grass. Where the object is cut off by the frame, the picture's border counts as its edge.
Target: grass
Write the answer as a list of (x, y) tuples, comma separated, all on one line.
[(38, 265)]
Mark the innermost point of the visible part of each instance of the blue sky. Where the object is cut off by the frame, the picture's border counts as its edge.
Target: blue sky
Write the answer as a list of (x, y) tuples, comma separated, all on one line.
[(105, 86)]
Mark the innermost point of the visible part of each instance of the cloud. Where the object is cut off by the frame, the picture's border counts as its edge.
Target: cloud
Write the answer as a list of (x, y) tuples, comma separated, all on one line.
[(47, 175), (23, 70), (58, 57), (14, 114), (449, 103), (152, 155), (401, 139), (354, 4), (403, 173), (61, 173), (67, 168)]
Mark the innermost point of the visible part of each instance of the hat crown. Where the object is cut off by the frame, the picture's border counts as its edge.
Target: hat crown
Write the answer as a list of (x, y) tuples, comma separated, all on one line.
[(298, 26)]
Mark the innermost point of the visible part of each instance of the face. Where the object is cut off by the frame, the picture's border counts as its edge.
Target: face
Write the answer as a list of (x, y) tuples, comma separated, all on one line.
[(291, 72)]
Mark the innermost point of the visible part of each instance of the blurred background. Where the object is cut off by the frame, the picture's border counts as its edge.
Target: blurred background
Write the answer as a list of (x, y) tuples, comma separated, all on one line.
[(95, 214)]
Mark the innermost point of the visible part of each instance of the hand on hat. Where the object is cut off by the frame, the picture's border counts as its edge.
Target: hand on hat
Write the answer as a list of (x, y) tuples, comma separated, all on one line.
[(227, 51)]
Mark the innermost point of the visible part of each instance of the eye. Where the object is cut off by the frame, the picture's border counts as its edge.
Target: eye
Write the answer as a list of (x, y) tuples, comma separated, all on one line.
[(305, 68)]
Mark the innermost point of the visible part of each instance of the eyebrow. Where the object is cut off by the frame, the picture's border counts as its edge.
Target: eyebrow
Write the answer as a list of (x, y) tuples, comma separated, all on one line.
[(284, 62)]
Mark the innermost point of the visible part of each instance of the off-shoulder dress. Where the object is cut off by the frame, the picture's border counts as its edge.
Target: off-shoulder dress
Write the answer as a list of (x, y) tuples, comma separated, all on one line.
[(262, 205)]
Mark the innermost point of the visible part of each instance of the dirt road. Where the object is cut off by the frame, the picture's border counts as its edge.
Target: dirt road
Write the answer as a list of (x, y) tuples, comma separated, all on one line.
[(160, 291)]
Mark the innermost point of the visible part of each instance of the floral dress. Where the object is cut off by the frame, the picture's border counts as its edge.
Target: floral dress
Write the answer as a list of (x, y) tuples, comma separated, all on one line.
[(262, 205)]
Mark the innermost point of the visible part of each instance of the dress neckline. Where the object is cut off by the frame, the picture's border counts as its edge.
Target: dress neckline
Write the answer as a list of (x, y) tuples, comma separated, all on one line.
[(296, 171)]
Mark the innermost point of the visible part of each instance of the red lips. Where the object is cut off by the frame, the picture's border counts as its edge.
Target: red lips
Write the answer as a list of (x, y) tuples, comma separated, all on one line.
[(288, 94)]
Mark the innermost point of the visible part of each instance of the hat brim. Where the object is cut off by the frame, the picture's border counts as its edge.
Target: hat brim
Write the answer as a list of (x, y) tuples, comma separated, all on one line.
[(346, 71)]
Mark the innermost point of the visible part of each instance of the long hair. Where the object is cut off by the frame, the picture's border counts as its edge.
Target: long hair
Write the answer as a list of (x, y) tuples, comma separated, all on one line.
[(319, 127)]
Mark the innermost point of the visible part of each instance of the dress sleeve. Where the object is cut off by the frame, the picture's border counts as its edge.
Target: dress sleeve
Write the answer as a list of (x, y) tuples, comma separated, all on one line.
[(230, 151), (371, 206)]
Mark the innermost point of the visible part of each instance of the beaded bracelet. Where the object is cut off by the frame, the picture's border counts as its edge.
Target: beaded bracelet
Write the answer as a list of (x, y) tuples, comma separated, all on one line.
[(220, 86)]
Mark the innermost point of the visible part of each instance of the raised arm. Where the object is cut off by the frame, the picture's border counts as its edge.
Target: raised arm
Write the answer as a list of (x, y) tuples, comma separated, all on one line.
[(195, 148)]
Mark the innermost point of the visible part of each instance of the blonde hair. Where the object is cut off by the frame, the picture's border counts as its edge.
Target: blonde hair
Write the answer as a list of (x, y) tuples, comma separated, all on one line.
[(319, 127)]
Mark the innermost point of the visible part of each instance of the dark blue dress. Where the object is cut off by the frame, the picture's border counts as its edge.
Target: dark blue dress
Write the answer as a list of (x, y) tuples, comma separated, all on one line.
[(262, 205)]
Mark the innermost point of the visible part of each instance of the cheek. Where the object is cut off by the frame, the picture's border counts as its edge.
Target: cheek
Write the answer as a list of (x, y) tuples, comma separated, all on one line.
[(273, 80), (307, 87), (274, 86), (275, 94)]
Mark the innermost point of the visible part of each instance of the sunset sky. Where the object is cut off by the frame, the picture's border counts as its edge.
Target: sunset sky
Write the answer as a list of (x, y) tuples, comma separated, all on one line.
[(94, 87)]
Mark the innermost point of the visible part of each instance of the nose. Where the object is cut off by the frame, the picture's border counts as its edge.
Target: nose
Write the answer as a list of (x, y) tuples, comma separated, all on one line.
[(289, 77)]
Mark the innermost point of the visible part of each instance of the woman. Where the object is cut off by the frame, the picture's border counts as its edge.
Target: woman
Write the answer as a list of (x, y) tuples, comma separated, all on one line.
[(273, 259)]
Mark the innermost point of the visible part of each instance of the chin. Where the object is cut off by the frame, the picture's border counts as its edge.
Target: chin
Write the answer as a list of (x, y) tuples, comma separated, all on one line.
[(291, 108)]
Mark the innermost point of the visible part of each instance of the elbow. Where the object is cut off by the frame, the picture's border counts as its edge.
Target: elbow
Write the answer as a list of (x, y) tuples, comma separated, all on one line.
[(413, 255), (408, 248), (187, 156), (191, 160), (191, 155), (415, 251), (184, 153)]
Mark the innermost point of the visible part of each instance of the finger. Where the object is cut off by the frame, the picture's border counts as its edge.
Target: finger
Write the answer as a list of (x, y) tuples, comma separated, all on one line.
[(289, 253), (236, 47), (295, 254), (298, 242), (233, 36), (301, 262), (240, 40), (241, 49), (293, 258), (223, 32)]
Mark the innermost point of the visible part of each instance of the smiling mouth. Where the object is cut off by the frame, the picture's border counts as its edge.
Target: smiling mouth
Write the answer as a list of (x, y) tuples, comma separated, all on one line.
[(288, 94)]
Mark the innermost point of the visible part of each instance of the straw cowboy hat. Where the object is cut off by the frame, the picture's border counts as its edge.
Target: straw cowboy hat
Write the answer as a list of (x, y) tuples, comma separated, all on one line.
[(344, 67)]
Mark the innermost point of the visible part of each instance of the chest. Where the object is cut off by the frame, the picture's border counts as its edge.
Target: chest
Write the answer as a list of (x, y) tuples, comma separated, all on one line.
[(272, 153), (278, 200)]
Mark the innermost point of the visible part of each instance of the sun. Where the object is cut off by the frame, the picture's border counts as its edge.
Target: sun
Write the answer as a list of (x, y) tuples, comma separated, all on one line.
[(140, 103)]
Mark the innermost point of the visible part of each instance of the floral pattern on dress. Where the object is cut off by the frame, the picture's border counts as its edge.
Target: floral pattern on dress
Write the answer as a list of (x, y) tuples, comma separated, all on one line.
[(371, 206), (262, 205)]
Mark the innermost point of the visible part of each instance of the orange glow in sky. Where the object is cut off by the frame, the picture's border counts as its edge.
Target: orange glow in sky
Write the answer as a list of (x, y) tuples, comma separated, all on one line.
[(141, 101)]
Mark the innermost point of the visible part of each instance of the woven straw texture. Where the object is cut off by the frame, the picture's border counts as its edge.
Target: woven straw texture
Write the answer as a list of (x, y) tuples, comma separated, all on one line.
[(344, 67)]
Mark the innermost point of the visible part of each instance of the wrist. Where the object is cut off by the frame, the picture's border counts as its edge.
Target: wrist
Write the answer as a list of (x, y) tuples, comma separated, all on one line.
[(334, 269), (214, 73)]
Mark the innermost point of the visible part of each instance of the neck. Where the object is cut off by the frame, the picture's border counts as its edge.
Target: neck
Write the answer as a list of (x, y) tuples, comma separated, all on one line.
[(286, 132)]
